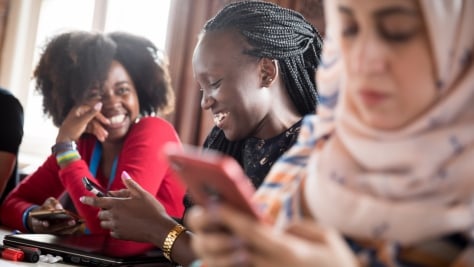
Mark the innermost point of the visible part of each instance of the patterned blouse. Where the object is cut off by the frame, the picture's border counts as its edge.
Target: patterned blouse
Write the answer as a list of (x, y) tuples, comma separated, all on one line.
[(255, 155)]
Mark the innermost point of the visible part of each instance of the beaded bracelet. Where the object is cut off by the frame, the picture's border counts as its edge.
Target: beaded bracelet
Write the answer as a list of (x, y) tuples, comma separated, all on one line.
[(170, 239), (63, 146)]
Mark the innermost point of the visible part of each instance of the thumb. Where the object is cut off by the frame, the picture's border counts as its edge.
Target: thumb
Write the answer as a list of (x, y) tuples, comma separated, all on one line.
[(135, 189)]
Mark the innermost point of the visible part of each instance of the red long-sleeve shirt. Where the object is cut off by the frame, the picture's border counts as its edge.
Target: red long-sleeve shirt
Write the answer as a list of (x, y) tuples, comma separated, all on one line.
[(141, 157)]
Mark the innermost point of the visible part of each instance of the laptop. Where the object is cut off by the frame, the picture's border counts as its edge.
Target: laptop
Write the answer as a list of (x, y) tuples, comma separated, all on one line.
[(88, 250)]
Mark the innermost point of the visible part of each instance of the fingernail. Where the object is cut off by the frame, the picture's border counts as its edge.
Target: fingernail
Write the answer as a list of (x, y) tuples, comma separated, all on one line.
[(83, 199), (125, 175), (58, 206), (71, 223), (98, 106)]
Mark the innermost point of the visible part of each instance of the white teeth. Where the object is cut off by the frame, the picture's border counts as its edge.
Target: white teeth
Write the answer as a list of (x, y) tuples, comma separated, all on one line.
[(117, 119), (220, 117)]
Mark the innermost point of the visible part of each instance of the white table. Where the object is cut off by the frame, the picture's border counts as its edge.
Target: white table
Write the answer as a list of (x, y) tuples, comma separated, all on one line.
[(8, 263)]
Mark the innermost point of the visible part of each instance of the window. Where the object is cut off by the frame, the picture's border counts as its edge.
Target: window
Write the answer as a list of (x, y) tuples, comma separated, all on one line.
[(34, 22)]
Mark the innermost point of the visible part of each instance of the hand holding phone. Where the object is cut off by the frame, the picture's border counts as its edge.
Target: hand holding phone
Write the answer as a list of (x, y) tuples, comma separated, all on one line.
[(212, 177), (93, 188), (58, 219)]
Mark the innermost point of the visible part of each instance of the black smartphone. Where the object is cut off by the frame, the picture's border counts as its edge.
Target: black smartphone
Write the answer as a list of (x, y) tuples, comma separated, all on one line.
[(58, 219), (93, 188), (54, 215)]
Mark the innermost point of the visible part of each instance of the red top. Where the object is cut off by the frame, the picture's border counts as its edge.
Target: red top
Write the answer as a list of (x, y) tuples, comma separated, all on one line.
[(141, 157)]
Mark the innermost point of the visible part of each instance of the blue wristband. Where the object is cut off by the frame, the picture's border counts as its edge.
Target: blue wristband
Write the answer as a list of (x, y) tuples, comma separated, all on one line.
[(25, 217)]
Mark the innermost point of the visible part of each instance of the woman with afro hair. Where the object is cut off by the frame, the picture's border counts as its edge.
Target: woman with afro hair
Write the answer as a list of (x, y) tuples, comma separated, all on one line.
[(103, 92)]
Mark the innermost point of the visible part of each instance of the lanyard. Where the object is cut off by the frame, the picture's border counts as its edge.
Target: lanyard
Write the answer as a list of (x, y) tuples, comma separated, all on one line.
[(94, 164)]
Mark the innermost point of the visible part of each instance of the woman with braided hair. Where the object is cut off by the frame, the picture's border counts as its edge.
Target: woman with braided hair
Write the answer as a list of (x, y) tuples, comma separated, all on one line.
[(255, 63)]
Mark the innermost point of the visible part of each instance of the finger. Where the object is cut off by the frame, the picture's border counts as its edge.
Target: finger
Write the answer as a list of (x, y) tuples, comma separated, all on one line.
[(39, 223), (101, 118), (216, 243), (97, 129), (99, 202), (81, 110), (52, 203), (216, 247), (197, 218), (308, 230), (238, 258), (255, 234), (109, 225), (104, 215), (122, 193), (114, 234), (85, 113), (134, 188)]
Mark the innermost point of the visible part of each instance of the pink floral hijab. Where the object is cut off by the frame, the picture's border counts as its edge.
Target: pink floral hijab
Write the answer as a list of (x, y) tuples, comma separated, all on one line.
[(409, 185)]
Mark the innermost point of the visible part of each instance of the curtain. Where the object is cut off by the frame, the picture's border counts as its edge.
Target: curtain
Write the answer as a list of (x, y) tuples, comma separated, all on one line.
[(187, 17)]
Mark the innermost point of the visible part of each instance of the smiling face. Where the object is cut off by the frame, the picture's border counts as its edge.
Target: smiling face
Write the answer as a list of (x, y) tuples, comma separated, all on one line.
[(389, 67), (231, 84), (120, 101)]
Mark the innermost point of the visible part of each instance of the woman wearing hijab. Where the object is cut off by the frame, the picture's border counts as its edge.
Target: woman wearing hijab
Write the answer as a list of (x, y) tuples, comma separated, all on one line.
[(385, 164)]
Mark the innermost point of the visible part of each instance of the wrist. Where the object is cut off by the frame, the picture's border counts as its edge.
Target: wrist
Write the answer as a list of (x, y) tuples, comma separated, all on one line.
[(170, 240), (61, 147), (26, 218), (65, 153)]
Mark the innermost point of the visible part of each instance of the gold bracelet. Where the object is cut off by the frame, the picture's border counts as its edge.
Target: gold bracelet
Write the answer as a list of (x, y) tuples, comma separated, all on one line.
[(170, 238)]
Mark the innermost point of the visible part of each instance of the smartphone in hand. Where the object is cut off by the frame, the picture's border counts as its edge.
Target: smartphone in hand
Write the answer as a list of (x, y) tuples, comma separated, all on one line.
[(57, 219), (212, 177), (93, 188)]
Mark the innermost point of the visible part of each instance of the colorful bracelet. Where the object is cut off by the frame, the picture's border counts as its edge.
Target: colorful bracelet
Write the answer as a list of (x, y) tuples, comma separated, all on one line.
[(63, 146), (170, 239), (67, 156)]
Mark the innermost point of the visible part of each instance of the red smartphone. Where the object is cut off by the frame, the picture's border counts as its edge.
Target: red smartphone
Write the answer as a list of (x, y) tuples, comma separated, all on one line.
[(211, 176)]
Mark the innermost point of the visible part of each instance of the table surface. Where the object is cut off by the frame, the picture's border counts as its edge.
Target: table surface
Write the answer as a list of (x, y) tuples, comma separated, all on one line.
[(8, 263)]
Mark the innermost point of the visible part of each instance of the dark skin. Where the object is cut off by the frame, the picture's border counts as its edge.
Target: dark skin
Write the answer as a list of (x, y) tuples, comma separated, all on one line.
[(147, 213), (75, 122), (268, 111), (303, 243), (247, 89), (92, 115)]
